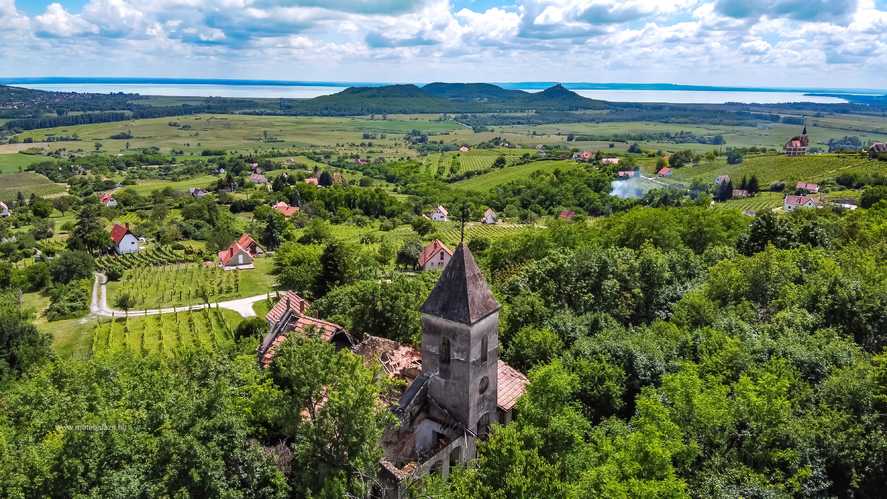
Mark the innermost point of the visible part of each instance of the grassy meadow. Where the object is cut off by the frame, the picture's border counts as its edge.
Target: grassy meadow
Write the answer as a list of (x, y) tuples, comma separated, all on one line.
[(27, 183), (493, 179)]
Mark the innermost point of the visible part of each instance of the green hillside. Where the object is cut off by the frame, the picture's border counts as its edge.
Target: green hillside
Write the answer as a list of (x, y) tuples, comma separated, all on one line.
[(489, 181)]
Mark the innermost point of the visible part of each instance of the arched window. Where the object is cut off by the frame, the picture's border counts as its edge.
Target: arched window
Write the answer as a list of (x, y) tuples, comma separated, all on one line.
[(483, 385), (484, 346), (444, 357), (455, 457)]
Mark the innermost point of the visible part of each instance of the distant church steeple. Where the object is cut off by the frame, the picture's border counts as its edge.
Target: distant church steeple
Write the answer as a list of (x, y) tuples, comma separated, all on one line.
[(460, 343)]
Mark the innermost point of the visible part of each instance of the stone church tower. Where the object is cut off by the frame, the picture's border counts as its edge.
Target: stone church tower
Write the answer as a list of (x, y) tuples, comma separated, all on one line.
[(460, 344)]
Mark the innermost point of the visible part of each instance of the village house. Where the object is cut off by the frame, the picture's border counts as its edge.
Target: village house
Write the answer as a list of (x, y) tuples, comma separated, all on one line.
[(285, 209), (4, 210), (723, 179), (258, 179), (797, 146), (435, 256), (791, 203), (312, 181), (361, 162), (877, 150), (810, 188), (464, 149), (240, 254), (610, 161), (108, 200), (439, 214), (665, 172), (567, 215), (197, 192), (489, 217), (626, 174), (740, 193), (124, 240), (585, 156)]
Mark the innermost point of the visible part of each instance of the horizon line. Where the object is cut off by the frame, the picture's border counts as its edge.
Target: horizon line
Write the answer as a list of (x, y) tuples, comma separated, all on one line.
[(37, 80)]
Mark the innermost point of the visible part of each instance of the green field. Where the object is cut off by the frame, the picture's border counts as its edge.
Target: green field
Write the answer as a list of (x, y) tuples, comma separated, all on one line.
[(450, 232), (489, 181), (188, 284), (10, 163), (761, 202), (770, 168), (144, 187), (166, 334), (27, 183), (192, 134)]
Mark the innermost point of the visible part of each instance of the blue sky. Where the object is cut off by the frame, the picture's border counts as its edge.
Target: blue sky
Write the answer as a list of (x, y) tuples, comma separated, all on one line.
[(825, 43)]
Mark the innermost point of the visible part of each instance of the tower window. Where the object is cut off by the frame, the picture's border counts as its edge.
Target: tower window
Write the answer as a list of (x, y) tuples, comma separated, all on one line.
[(483, 385), (445, 358), (484, 346)]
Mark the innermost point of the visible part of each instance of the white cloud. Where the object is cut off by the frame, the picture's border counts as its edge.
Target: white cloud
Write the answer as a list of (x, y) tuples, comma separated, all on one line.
[(715, 41), (58, 22)]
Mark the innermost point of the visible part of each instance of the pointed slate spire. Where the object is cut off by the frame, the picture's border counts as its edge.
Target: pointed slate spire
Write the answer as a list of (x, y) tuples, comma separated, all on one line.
[(461, 294)]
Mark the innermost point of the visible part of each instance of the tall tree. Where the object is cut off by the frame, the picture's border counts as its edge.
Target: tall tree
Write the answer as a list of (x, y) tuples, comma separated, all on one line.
[(89, 232)]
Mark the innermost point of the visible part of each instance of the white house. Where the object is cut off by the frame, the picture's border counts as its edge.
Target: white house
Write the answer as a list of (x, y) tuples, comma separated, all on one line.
[(435, 256), (4, 210), (790, 203), (490, 217), (124, 241), (440, 214), (108, 200), (610, 161)]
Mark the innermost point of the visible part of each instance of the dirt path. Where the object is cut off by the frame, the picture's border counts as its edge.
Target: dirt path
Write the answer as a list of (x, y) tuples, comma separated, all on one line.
[(99, 305)]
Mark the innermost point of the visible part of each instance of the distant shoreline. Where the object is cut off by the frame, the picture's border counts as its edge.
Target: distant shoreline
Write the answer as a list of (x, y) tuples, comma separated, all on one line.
[(659, 87)]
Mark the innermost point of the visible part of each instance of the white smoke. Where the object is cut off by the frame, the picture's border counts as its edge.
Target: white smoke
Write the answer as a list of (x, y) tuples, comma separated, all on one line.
[(634, 187)]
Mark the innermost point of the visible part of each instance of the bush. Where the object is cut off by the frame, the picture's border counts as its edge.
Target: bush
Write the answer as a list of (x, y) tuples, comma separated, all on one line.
[(68, 301), (72, 265)]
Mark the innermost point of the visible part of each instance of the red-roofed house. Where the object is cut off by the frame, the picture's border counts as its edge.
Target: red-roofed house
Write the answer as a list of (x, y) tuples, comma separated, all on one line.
[(804, 186), (312, 181), (289, 315), (435, 256), (124, 241), (258, 179), (240, 254), (108, 200), (285, 209), (567, 215), (665, 172), (586, 156), (625, 174), (790, 203)]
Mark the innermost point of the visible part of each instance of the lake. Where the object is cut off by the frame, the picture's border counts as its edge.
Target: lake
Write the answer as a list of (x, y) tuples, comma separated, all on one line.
[(295, 90)]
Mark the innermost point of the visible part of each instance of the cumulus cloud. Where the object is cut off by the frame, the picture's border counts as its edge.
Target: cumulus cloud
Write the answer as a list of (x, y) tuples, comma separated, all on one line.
[(655, 40), (800, 10), (57, 22)]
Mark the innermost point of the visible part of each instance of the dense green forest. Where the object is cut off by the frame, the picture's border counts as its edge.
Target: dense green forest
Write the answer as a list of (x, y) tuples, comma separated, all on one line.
[(672, 352)]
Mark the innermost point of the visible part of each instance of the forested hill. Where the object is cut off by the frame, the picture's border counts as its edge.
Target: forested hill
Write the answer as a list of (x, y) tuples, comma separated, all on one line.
[(29, 109), (479, 104)]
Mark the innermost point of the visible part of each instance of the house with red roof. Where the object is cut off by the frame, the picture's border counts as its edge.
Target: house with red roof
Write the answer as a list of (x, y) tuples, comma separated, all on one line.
[(258, 179), (312, 181), (805, 186), (289, 316), (124, 240), (626, 174), (791, 203), (108, 200), (435, 256), (284, 209), (567, 215), (240, 254), (665, 172)]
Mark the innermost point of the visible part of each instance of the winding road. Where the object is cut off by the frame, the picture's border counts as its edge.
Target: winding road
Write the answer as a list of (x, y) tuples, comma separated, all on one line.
[(99, 305)]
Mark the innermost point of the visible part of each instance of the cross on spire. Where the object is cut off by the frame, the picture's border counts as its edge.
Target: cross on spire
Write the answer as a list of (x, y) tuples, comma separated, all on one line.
[(463, 214)]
